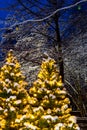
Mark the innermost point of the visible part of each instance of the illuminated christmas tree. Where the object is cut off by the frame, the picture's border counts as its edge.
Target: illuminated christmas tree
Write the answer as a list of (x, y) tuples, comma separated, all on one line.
[(14, 105), (49, 102)]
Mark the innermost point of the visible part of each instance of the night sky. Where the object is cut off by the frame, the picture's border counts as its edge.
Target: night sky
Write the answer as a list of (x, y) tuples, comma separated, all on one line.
[(5, 3)]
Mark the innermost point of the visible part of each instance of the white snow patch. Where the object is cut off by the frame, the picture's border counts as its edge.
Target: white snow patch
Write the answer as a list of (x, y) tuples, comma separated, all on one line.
[(64, 107), (12, 74), (52, 96), (43, 89), (58, 126), (12, 64), (7, 81), (12, 108), (5, 88), (8, 99), (77, 128), (5, 110), (30, 126), (37, 109), (46, 97), (15, 84), (73, 119), (12, 97), (49, 117), (70, 125), (33, 67), (62, 92), (23, 117), (9, 90), (17, 120), (1, 108), (18, 101), (6, 71)]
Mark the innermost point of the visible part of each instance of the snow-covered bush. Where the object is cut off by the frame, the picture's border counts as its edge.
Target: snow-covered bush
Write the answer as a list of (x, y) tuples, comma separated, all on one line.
[(14, 106), (48, 101)]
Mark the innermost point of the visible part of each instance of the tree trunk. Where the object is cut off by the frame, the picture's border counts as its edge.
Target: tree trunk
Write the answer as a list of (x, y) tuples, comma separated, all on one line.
[(60, 57)]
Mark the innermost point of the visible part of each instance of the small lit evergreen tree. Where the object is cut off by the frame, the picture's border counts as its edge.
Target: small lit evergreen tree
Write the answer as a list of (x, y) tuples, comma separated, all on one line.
[(49, 102), (14, 104)]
